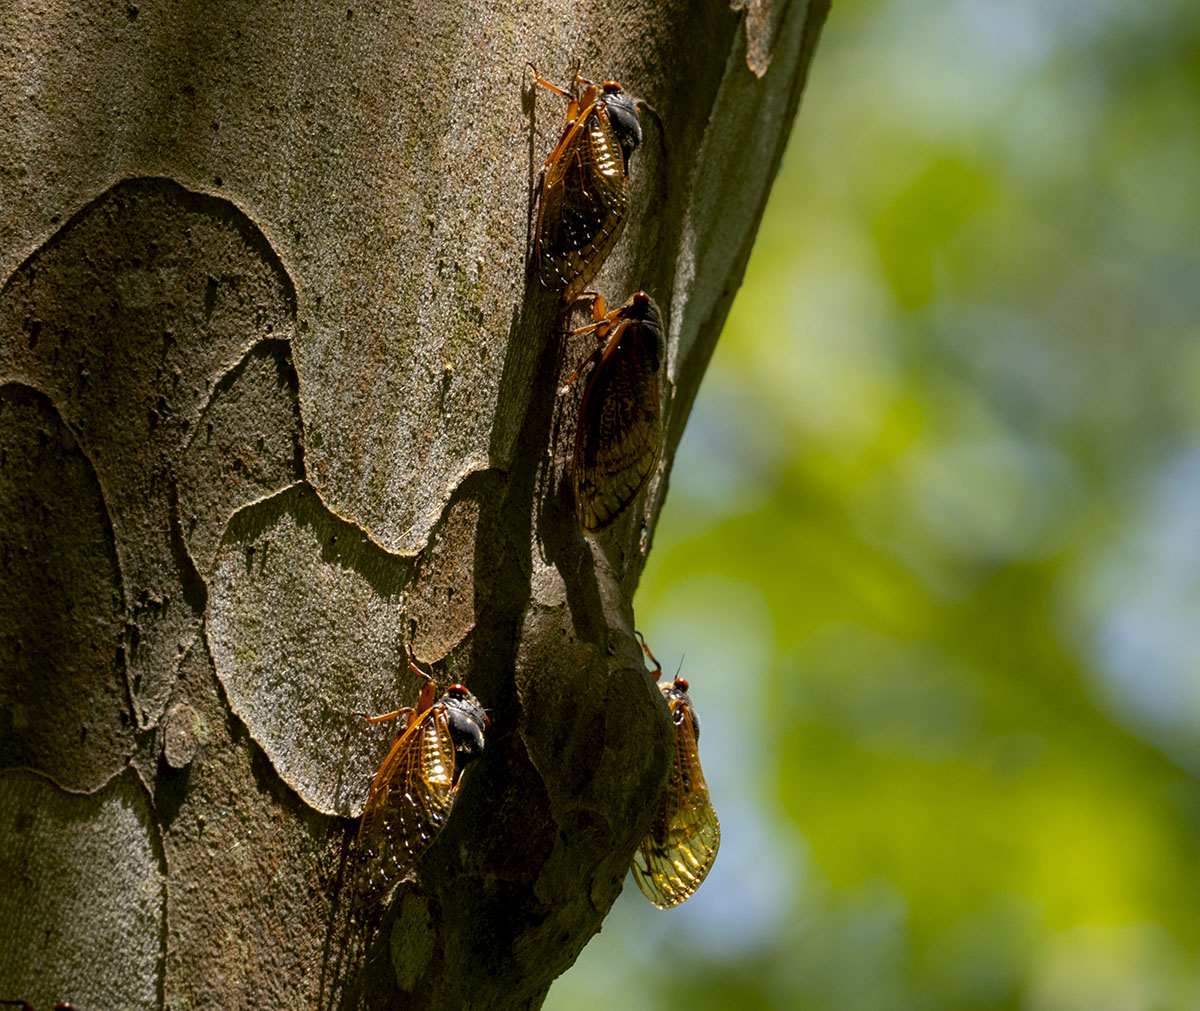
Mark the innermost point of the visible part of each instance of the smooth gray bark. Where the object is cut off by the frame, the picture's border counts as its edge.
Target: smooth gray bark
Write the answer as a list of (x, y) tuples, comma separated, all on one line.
[(277, 396)]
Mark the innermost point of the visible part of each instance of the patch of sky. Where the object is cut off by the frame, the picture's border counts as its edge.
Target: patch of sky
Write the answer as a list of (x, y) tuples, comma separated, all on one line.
[(728, 458), (1137, 610)]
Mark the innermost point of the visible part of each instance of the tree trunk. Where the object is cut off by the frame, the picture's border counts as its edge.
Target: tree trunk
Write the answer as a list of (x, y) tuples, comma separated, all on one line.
[(279, 397)]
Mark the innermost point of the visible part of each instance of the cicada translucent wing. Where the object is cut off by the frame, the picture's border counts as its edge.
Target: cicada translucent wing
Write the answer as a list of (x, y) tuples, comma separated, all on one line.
[(677, 854), (414, 790), (583, 198), (619, 433)]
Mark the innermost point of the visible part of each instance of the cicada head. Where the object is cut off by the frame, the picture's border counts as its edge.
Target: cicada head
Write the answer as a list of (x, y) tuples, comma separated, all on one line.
[(641, 307), (467, 721), (624, 116), (680, 704)]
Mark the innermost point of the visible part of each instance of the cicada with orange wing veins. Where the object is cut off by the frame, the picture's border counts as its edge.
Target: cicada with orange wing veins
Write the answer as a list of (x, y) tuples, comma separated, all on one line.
[(583, 196), (414, 790), (676, 856), (619, 432)]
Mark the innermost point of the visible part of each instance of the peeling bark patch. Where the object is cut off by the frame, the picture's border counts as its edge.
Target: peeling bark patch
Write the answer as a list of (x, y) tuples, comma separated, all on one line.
[(758, 33), (181, 733), (82, 907), (457, 571), (127, 318), (305, 624), (63, 706), (254, 876), (247, 446)]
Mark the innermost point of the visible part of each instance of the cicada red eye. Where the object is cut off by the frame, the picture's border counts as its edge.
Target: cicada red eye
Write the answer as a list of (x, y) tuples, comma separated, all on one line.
[(583, 194), (678, 852), (414, 790), (618, 436)]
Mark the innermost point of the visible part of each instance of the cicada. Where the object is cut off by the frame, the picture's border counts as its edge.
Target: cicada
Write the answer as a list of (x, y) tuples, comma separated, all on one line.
[(583, 197), (677, 854), (619, 432), (414, 790)]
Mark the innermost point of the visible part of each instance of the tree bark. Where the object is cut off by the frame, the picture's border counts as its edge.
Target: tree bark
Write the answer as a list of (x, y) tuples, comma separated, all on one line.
[(278, 396)]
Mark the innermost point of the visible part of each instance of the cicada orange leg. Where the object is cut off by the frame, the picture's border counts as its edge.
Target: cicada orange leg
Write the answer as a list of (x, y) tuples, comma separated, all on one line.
[(649, 656), (574, 102), (601, 325), (424, 700)]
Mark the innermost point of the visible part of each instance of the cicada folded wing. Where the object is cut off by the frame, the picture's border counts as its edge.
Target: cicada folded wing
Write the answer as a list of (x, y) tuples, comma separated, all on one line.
[(678, 852), (583, 198), (415, 788), (618, 436), (410, 800)]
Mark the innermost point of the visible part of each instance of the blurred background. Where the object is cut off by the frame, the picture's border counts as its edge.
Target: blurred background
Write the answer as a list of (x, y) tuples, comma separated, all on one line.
[(931, 553)]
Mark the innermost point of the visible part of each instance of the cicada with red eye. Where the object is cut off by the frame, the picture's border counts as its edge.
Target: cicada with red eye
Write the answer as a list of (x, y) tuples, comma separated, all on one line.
[(677, 854), (583, 195), (414, 790), (618, 436)]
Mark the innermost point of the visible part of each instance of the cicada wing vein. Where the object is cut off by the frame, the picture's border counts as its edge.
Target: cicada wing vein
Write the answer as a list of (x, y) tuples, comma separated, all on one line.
[(676, 855), (409, 802), (583, 203), (619, 435)]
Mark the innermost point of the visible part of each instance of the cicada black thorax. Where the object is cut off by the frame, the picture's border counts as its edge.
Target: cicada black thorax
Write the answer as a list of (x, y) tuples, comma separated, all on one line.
[(466, 721)]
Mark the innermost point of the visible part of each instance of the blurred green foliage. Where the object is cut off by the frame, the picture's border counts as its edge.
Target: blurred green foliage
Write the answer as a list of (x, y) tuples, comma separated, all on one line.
[(932, 547)]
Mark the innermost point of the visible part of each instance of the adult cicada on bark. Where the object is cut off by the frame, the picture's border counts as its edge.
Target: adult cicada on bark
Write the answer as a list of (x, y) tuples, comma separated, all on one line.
[(678, 852), (414, 790), (618, 435), (583, 194)]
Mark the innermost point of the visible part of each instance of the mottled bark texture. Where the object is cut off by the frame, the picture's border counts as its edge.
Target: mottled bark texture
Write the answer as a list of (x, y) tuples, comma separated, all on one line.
[(277, 396)]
